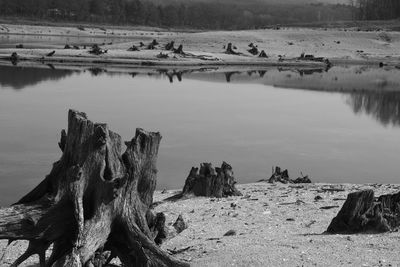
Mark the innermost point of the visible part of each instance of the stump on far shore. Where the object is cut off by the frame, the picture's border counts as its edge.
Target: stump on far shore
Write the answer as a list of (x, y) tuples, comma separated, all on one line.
[(96, 199), (209, 182), (229, 50), (363, 213)]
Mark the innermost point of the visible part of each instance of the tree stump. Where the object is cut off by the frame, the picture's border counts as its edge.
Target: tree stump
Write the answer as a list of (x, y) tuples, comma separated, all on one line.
[(209, 182), (263, 54), (279, 176), (95, 199), (229, 50), (363, 213), (253, 51), (283, 177), (170, 46), (179, 50), (133, 48)]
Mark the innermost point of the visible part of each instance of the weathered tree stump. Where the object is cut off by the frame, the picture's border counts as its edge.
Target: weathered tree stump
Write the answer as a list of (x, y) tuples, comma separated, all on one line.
[(253, 51), (363, 213), (133, 48), (283, 177), (95, 199), (229, 50), (279, 176), (263, 54), (179, 50), (14, 58), (170, 46), (96, 50), (209, 182)]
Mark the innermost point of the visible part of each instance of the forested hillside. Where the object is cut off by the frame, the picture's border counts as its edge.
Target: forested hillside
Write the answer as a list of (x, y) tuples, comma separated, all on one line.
[(201, 14), (377, 9)]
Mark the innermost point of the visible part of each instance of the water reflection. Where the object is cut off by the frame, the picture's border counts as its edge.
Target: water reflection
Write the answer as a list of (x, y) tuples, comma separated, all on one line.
[(373, 91), (202, 118), (20, 77), (383, 106)]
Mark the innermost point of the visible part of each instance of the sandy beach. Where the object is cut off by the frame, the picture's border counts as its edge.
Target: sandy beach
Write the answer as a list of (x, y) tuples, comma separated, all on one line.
[(274, 224), (282, 45)]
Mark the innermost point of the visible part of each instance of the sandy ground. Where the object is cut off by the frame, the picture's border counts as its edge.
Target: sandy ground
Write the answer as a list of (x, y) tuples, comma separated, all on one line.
[(341, 46), (275, 225)]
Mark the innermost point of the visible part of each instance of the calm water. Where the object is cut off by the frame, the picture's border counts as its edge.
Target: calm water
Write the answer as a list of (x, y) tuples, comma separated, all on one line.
[(333, 137)]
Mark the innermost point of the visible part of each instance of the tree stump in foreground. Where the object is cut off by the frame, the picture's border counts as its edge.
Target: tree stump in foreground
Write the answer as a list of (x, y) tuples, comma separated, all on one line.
[(95, 199), (209, 182), (363, 213)]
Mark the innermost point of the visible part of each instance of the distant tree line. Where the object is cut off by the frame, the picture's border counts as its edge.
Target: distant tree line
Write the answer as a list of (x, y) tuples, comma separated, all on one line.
[(377, 9), (201, 15)]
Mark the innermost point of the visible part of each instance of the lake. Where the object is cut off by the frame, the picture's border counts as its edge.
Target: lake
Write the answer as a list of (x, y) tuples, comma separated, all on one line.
[(333, 133)]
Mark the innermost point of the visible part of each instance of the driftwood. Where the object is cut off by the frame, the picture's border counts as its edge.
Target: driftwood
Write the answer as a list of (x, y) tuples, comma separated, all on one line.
[(363, 213), (51, 53), (209, 182), (161, 55), (304, 179), (95, 199), (133, 48), (96, 50), (309, 57)]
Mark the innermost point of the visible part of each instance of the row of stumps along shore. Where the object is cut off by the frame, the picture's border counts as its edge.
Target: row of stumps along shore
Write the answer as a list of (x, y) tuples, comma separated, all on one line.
[(96, 204), (230, 49)]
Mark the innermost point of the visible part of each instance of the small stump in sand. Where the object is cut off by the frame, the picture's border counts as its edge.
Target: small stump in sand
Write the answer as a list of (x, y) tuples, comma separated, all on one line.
[(279, 176), (283, 177), (209, 182), (253, 51), (170, 46), (179, 50), (363, 213), (229, 50)]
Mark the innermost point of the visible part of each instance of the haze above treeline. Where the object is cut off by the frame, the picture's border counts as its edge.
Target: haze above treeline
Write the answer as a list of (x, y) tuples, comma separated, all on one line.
[(201, 14)]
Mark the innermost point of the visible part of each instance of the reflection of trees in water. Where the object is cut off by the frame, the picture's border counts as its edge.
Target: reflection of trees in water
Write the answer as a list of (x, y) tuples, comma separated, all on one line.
[(383, 106), (96, 71), (21, 77)]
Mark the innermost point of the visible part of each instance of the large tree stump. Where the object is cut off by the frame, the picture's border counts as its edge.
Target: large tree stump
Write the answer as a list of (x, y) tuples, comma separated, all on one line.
[(95, 199), (209, 182), (363, 213)]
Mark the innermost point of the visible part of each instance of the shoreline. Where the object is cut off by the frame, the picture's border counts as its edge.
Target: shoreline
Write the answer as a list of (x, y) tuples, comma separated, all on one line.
[(201, 48), (285, 216)]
